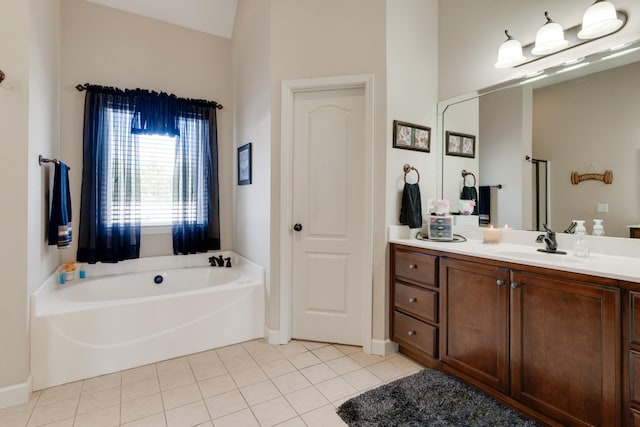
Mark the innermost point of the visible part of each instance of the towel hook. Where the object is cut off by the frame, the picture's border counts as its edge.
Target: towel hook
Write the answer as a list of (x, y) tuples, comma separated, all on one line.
[(407, 169), (464, 177)]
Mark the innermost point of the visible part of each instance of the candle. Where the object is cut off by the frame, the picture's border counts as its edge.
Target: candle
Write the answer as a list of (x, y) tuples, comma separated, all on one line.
[(491, 235)]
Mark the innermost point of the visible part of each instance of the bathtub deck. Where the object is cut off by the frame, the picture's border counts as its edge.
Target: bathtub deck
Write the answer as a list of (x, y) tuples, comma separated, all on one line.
[(253, 383)]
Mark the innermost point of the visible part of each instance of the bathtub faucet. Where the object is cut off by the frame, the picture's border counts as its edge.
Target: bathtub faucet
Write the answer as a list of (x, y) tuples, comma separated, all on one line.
[(228, 262), (216, 261)]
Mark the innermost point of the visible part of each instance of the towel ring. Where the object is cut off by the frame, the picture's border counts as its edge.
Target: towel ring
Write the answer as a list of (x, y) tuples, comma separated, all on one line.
[(407, 169), (464, 177)]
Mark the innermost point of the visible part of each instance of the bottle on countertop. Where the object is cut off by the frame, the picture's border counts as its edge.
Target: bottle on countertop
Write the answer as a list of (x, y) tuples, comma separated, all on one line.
[(598, 228), (580, 244)]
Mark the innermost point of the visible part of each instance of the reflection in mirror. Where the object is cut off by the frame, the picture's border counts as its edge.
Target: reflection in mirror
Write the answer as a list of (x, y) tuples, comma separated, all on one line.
[(531, 135)]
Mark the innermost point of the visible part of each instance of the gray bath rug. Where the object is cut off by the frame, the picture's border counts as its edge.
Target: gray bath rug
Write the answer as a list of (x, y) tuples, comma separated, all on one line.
[(428, 398)]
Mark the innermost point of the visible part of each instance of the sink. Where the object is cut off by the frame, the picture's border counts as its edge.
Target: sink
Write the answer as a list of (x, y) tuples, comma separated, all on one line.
[(534, 255)]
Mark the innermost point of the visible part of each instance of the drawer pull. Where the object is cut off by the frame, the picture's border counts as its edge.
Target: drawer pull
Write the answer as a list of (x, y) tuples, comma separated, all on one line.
[(499, 282), (411, 333), (412, 300), (413, 266)]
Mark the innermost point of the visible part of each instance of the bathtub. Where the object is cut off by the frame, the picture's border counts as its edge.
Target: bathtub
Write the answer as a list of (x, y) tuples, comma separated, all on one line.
[(118, 317)]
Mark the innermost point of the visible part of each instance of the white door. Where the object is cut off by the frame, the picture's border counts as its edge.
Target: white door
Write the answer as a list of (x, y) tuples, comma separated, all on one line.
[(328, 260)]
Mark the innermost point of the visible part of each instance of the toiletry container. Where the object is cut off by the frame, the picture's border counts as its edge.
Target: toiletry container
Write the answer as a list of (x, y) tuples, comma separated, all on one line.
[(598, 228), (580, 244)]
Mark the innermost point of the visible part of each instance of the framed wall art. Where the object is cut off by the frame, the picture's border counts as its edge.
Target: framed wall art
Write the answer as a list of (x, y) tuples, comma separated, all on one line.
[(411, 137), (244, 164), (460, 144)]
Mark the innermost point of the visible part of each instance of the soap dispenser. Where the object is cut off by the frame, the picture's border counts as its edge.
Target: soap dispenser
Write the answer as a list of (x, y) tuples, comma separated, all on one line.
[(598, 228), (580, 244)]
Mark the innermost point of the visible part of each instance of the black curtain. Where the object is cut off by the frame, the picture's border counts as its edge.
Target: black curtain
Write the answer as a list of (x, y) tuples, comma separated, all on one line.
[(110, 219), (196, 223), (109, 228)]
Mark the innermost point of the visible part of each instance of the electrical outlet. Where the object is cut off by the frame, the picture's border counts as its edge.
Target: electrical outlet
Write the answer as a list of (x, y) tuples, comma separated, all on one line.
[(603, 207)]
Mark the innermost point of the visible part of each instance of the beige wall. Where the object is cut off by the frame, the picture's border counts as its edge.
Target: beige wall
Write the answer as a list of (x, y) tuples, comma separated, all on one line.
[(470, 33), (251, 49), (28, 123), (108, 47), (590, 125), (13, 184), (311, 38)]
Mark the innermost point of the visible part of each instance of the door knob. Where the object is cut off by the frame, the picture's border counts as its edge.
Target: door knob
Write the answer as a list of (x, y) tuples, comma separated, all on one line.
[(297, 227), (500, 282)]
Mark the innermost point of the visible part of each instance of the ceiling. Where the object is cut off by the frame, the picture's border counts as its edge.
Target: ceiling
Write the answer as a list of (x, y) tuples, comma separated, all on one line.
[(210, 16)]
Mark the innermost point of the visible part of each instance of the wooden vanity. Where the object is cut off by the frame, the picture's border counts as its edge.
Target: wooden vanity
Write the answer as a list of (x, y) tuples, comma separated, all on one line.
[(561, 347)]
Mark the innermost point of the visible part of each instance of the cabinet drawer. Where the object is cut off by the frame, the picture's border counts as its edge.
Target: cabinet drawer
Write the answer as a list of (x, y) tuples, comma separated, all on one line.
[(417, 301), (415, 267), (420, 335)]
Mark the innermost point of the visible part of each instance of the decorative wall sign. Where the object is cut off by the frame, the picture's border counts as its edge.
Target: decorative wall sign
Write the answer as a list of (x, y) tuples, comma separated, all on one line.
[(606, 177)]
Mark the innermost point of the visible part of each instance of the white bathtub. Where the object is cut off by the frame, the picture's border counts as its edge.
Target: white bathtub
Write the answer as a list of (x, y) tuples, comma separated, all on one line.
[(118, 318)]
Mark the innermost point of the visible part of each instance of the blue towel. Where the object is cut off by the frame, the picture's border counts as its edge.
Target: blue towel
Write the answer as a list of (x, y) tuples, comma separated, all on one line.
[(484, 205), (60, 218)]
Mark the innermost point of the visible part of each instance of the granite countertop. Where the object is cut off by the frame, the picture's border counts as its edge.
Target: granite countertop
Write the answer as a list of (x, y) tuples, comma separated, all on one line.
[(520, 247)]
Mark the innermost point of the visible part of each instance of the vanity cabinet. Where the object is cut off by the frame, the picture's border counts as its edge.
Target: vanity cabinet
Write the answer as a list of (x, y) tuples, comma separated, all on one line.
[(414, 308), (544, 341), (565, 347), (631, 353)]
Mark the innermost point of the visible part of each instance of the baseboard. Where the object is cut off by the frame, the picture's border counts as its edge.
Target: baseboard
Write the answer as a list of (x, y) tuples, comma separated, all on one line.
[(383, 347), (272, 335), (15, 394)]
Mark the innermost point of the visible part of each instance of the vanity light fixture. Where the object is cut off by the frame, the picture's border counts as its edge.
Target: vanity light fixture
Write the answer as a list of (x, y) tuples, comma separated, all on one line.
[(601, 19), (510, 53), (549, 38)]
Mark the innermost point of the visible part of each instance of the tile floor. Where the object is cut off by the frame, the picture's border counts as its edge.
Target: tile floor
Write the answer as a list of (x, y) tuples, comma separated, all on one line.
[(248, 384)]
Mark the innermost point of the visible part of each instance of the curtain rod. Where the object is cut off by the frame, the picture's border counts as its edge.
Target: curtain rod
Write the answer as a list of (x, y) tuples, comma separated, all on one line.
[(85, 86)]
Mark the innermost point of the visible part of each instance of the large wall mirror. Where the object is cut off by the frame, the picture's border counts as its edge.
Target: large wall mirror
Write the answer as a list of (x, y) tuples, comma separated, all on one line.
[(532, 134)]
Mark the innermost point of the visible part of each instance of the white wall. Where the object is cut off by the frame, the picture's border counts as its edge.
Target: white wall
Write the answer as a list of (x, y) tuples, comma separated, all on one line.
[(411, 97), (471, 31), (601, 134), (503, 154), (108, 47), (462, 118), (44, 131), (251, 50)]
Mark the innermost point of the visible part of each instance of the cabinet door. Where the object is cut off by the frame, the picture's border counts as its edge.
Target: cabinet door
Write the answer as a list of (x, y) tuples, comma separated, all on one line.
[(565, 348), (474, 320)]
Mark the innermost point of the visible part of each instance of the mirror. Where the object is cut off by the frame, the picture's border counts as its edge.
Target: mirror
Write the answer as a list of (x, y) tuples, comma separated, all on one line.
[(531, 135)]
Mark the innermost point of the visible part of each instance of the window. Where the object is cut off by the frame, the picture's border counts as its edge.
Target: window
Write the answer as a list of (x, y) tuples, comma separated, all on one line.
[(156, 159), (132, 177), (156, 179)]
